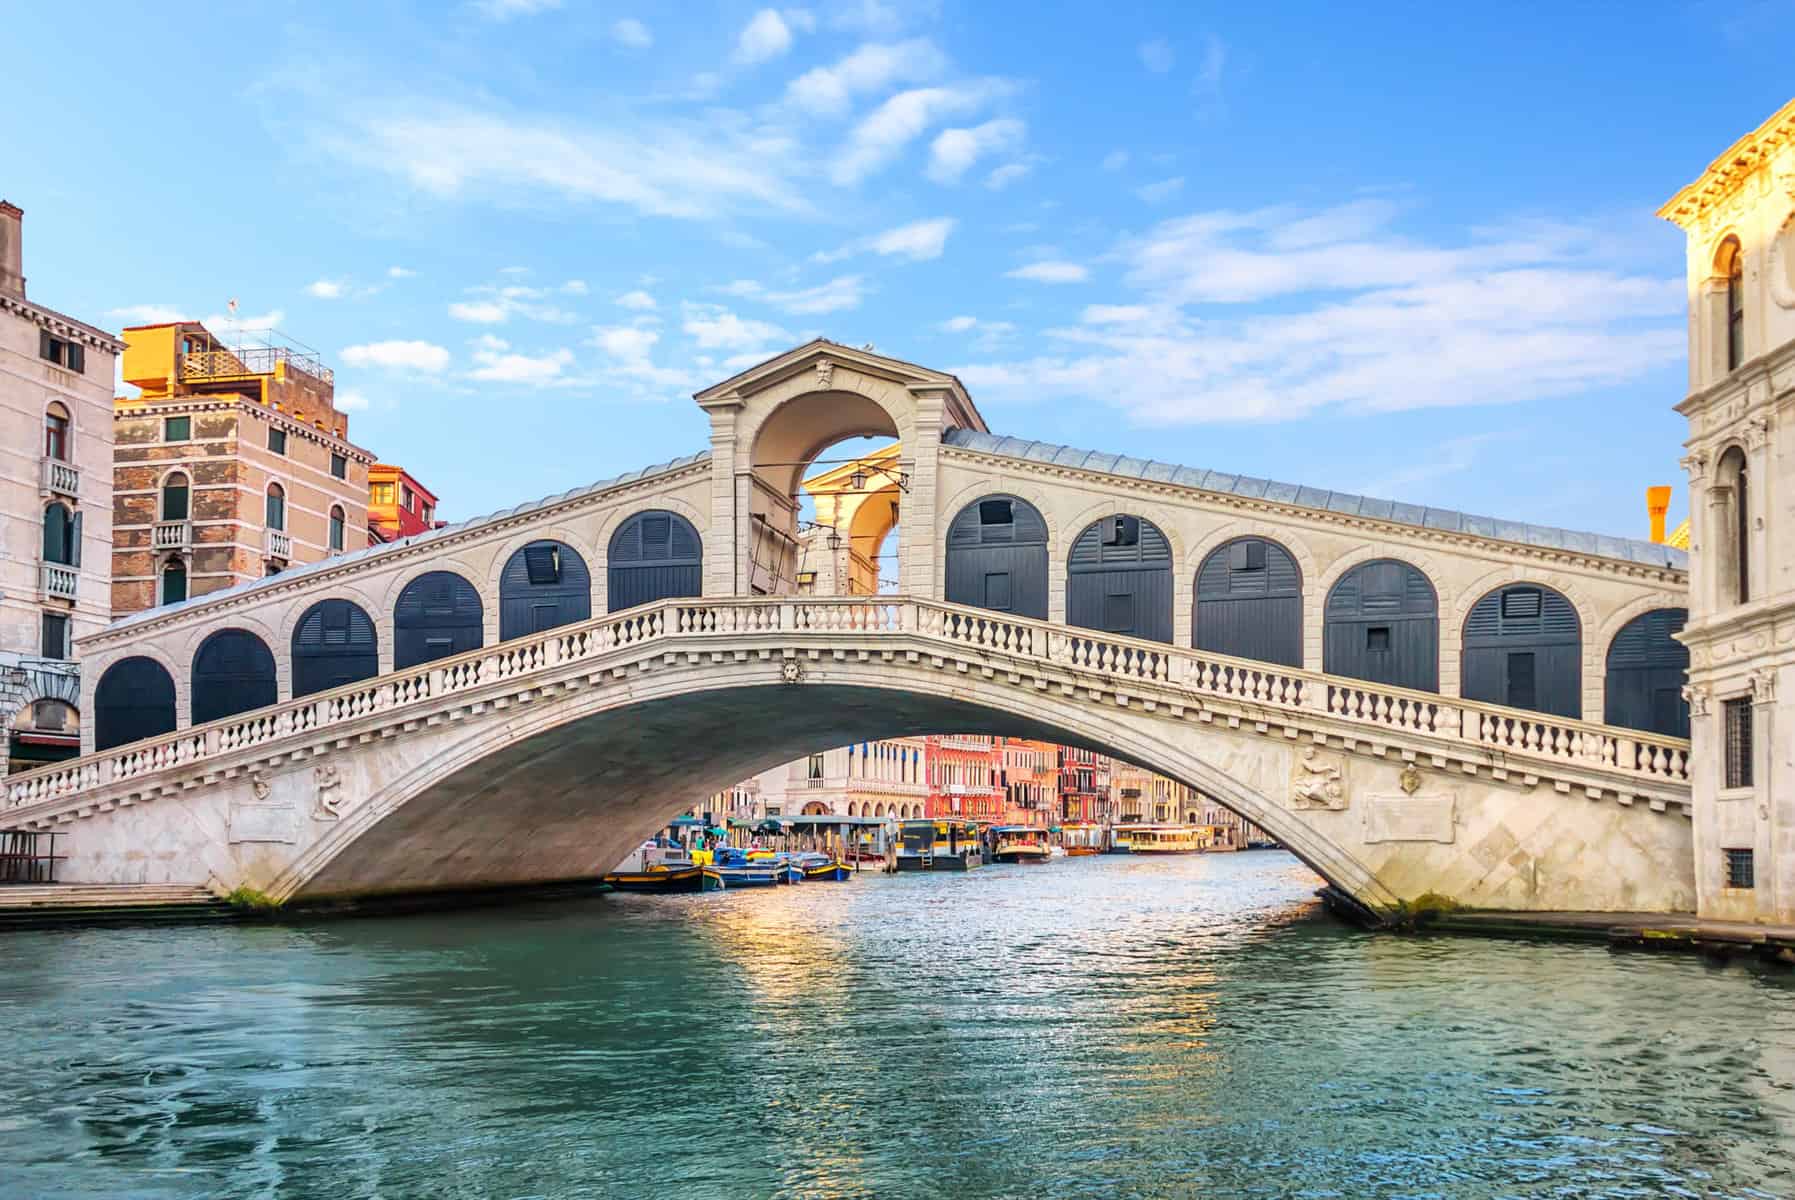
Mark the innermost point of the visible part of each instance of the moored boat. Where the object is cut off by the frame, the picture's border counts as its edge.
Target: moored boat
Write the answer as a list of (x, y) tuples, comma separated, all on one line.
[(1158, 839), (816, 866), (660, 878), (1020, 844), (1081, 838), (739, 871), (939, 845)]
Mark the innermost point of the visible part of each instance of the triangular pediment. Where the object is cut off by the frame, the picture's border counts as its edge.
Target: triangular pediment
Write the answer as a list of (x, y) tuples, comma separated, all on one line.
[(822, 356)]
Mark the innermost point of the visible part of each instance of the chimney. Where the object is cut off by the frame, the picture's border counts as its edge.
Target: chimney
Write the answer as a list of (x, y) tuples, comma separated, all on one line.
[(1657, 503), (12, 254)]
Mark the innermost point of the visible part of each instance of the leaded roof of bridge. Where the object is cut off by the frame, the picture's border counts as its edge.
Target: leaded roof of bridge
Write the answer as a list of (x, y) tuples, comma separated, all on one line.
[(1650, 554)]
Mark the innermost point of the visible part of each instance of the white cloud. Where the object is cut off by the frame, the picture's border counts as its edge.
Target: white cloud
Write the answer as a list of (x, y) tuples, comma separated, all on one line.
[(327, 289), (426, 357), (918, 241), (1207, 86), (228, 326), (830, 91), (1115, 160), (765, 36), (1050, 271), (959, 324), (575, 287), (399, 272), (987, 333), (628, 343), (632, 33), (637, 301), (487, 341), (504, 10), (147, 314), (1159, 193), (498, 367), (714, 327), (745, 288), (1002, 177), (1274, 314), (1157, 56), (480, 312), (350, 400), (900, 120), (834, 296), (955, 151)]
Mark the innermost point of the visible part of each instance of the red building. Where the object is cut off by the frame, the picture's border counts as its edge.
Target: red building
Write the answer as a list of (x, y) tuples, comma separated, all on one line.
[(1031, 775), (398, 505), (1083, 785), (966, 777)]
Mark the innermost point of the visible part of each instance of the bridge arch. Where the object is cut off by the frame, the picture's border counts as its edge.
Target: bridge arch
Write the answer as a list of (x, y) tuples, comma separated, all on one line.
[(998, 543), (1522, 646), (333, 643), (543, 584), (1381, 623), (1248, 600), (437, 613), (135, 699), (656, 554), (1119, 577), (233, 672)]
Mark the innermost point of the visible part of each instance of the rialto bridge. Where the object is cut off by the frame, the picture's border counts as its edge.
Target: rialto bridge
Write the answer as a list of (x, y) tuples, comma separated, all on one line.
[(1412, 700)]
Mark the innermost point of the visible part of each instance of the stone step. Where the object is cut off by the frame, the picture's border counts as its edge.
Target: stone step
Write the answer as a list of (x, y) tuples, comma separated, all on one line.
[(25, 906)]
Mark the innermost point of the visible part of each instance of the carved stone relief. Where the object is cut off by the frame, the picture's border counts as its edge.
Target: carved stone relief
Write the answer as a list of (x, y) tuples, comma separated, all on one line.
[(1318, 780), (328, 782)]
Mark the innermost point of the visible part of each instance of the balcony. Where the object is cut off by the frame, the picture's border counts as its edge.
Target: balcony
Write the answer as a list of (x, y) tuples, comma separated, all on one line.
[(60, 479), (59, 582), (203, 366), (172, 535), (278, 545)]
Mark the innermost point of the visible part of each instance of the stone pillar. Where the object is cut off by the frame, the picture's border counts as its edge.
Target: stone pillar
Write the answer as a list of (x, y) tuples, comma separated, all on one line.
[(919, 518), (724, 536)]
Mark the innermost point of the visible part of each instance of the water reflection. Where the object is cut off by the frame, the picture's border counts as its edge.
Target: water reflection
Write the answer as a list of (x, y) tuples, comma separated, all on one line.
[(1093, 1027)]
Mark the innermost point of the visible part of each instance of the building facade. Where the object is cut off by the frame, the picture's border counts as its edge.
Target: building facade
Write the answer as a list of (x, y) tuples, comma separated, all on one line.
[(1739, 217), (1084, 786), (398, 505), (234, 463), (55, 507), (1030, 782), (966, 777)]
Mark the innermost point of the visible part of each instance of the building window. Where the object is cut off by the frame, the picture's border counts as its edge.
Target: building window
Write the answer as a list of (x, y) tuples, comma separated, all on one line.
[(277, 440), (337, 522), (175, 498), (1736, 538), (429, 513), (60, 535), (174, 582), (55, 636), (1736, 715), (56, 433), (814, 769), (339, 465), (410, 501), (66, 354), (1735, 303), (1741, 871), (276, 515), (177, 429), (382, 493)]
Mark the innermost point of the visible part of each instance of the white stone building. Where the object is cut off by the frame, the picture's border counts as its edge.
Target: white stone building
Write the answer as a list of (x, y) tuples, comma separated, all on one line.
[(1740, 219), (56, 376)]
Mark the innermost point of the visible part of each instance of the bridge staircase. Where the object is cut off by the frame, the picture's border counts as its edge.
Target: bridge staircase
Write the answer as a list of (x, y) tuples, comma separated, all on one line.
[(34, 905)]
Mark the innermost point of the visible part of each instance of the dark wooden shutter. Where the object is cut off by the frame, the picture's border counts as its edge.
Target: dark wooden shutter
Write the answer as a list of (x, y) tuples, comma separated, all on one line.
[(135, 699), (998, 536)]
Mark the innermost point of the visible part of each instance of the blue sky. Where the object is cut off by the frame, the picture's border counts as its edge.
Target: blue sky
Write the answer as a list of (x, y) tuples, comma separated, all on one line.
[(1390, 250)]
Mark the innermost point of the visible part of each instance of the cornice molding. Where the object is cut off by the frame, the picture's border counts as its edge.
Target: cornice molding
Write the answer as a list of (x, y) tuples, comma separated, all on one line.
[(1728, 173), (61, 325), (181, 405)]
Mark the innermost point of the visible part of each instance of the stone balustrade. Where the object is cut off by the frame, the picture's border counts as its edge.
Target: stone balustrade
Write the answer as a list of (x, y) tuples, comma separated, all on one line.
[(59, 582), (172, 535), (278, 544), (1504, 739), (60, 478)]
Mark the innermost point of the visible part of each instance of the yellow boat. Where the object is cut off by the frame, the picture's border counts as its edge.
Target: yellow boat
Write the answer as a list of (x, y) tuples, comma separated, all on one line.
[(1158, 839)]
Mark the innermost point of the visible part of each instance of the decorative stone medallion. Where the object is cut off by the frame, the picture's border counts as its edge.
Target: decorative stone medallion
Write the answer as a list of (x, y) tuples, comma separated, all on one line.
[(1318, 780), (791, 671)]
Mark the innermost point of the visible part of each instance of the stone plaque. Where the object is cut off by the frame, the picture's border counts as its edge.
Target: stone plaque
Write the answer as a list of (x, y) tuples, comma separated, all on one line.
[(1409, 818), (263, 823)]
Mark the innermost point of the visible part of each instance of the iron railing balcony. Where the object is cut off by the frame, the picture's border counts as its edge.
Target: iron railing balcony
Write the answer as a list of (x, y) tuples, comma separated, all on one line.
[(172, 535), (279, 545), (199, 366), (58, 582), (60, 478)]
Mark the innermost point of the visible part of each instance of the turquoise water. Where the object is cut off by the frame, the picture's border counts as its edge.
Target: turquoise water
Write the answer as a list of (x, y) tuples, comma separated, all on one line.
[(1092, 1027)]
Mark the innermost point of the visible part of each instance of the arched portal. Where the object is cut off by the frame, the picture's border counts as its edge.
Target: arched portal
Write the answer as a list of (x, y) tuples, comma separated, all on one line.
[(1382, 624), (997, 556), (333, 644), (1647, 668), (1119, 579), (544, 585), (1523, 647), (438, 614), (135, 699), (654, 555), (233, 672), (1250, 602)]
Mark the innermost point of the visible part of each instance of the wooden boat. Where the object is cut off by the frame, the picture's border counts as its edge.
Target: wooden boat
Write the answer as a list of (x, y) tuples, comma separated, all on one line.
[(939, 845), (1020, 844), (662, 878), (737, 870), (1081, 838), (1158, 839), (823, 867)]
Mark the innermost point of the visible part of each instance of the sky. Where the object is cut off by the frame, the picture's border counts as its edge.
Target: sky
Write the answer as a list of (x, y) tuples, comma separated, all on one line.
[(1397, 249)]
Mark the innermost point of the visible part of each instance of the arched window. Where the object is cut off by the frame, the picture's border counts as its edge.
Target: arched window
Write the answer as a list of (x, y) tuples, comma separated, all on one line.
[(1732, 265), (1734, 536), (1250, 602), (997, 557), (1647, 668), (233, 672), (174, 581), (62, 535), (1119, 579), (337, 524), (1381, 623), (437, 615), (175, 498), (56, 432), (653, 556), (333, 645), (275, 516), (1524, 648), (135, 699), (544, 584)]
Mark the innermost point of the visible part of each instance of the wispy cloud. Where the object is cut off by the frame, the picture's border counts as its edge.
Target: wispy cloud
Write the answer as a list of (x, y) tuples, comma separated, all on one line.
[(714, 327), (768, 34), (841, 293), (1115, 160), (637, 301), (884, 133), (504, 366), (1157, 56), (832, 90), (327, 289), (918, 241), (631, 33), (1051, 271), (1159, 193), (419, 356), (955, 151), (505, 10), (147, 314), (495, 304), (399, 272)]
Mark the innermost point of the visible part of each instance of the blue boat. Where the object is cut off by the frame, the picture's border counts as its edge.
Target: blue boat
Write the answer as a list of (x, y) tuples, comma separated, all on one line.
[(818, 866), (737, 870)]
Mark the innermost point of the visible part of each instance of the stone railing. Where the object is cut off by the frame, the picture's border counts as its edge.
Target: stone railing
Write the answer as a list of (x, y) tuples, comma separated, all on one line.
[(1502, 738), (60, 478), (278, 544), (59, 582), (171, 535)]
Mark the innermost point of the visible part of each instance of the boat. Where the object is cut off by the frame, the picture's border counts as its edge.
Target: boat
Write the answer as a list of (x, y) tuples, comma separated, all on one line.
[(939, 845), (818, 866), (737, 870), (1081, 838), (1158, 839), (1020, 844), (662, 878)]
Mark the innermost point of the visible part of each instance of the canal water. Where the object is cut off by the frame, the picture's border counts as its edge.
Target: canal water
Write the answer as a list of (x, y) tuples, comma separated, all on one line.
[(1093, 1027)]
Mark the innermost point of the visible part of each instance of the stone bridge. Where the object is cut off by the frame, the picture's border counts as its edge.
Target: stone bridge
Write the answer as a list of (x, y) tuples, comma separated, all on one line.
[(1411, 699)]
